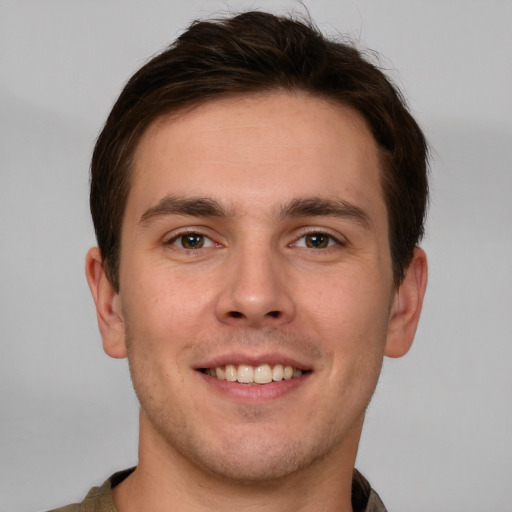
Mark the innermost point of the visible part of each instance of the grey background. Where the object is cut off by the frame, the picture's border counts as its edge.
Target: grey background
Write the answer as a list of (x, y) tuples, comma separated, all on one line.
[(438, 432)]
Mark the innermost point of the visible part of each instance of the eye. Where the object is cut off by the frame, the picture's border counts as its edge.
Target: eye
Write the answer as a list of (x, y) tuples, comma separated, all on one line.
[(316, 240), (191, 241)]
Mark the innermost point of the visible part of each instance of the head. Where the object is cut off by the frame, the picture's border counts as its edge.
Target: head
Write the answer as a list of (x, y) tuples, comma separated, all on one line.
[(258, 192), (254, 53)]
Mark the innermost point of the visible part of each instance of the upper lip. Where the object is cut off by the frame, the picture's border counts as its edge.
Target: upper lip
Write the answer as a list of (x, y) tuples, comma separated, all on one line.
[(271, 358)]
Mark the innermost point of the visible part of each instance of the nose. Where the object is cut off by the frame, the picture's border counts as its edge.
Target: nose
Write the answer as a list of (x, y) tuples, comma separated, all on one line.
[(255, 291)]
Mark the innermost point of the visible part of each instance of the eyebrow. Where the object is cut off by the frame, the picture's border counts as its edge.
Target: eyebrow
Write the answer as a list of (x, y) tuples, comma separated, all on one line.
[(195, 206), (302, 207), (317, 206)]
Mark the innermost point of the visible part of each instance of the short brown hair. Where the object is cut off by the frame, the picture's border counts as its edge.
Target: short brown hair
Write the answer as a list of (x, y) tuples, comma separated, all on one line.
[(257, 52)]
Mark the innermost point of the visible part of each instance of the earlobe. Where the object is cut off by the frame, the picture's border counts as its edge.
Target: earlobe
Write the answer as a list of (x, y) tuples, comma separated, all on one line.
[(108, 305), (408, 301)]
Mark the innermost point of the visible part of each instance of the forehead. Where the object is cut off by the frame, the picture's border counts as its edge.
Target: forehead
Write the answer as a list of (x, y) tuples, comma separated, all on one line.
[(258, 150)]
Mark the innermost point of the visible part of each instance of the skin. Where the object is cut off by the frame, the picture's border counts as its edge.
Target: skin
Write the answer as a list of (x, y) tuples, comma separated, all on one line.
[(257, 290)]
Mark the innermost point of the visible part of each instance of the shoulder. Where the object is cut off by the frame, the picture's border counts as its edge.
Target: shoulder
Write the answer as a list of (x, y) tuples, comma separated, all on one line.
[(98, 499), (364, 498), (68, 508)]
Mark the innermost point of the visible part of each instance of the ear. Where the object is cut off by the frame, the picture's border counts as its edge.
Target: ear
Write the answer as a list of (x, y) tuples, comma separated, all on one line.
[(108, 305), (406, 309)]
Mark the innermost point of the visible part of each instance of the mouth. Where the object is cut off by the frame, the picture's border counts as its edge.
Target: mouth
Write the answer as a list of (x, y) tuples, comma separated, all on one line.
[(255, 375)]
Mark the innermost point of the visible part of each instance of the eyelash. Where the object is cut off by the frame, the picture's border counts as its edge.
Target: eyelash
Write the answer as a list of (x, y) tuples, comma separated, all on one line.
[(331, 240), (184, 234)]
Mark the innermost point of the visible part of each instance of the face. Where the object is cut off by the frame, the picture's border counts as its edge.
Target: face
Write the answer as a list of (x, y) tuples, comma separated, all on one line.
[(256, 292)]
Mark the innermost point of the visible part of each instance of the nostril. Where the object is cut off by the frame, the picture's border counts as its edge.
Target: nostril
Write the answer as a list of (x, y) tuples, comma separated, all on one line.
[(236, 314), (273, 314)]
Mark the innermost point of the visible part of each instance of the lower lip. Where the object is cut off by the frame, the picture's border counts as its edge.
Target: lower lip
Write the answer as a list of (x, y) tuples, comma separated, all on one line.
[(254, 393)]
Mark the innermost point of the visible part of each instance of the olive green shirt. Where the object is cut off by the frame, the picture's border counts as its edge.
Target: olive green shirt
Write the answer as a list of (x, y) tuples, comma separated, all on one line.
[(99, 499)]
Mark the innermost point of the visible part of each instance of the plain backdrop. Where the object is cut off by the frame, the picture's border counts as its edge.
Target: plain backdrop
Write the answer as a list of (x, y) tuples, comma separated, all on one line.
[(438, 432)]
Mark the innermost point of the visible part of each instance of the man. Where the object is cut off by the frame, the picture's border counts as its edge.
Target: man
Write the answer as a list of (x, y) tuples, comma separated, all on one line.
[(258, 194)]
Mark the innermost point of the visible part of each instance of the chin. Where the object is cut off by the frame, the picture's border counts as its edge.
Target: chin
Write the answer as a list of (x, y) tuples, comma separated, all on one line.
[(249, 461), (257, 468)]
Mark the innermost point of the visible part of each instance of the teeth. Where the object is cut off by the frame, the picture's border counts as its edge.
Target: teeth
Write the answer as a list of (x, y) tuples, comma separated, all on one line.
[(231, 373), (247, 374), (278, 372), (263, 374)]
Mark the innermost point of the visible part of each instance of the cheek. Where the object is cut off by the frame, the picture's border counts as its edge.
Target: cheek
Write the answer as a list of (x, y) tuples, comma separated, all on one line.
[(350, 316), (166, 300), (344, 302), (353, 330)]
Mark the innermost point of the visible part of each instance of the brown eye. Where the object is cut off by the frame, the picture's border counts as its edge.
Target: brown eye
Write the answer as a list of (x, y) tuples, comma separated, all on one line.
[(191, 241), (317, 240)]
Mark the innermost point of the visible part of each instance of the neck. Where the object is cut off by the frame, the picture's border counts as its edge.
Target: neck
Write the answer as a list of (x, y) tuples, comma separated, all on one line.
[(165, 481)]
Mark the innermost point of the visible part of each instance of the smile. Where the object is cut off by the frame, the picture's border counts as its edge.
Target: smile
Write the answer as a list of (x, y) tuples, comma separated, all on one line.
[(248, 374)]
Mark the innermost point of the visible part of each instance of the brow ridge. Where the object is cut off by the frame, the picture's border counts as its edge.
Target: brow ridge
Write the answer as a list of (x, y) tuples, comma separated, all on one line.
[(194, 206), (301, 207), (319, 206)]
